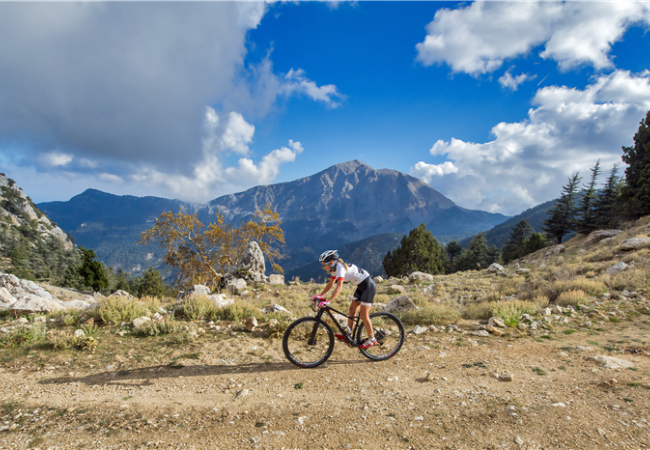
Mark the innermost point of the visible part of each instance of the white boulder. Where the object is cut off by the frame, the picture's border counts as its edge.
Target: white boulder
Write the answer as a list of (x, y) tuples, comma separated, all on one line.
[(555, 250), (236, 285), (420, 277), (378, 279), (611, 363), (616, 268), (396, 289), (6, 299), (599, 235), (220, 300), (30, 303), (494, 268), (400, 304), (496, 322), (137, 323), (276, 278), (634, 244)]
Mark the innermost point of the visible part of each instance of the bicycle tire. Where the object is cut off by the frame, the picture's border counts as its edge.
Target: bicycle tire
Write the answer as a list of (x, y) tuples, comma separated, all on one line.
[(295, 342), (389, 332)]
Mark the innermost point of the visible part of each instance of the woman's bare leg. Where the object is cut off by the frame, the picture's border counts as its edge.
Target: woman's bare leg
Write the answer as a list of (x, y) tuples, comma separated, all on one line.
[(365, 317)]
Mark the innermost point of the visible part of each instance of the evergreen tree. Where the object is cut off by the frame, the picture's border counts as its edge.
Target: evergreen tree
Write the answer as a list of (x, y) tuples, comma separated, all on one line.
[(515, 246), (151, 283), (561, 218), (605, 213), (123, 281), (636, 192), (535, 241), (92, 271), (453, 250), (72, 278), (479, 255), (419, 251), (586, 222)]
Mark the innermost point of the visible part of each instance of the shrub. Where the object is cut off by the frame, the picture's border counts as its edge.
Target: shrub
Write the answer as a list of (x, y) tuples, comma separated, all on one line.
[(277, 331), (573, 298), (430, 314), (511, 311), (478, 311), (24, 335), (198, 307), (64, 341), (157, 328), (116, 310), (236, 313)]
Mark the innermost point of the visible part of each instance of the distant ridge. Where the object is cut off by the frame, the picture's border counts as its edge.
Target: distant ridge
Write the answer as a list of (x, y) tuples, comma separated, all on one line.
[(344, 203)]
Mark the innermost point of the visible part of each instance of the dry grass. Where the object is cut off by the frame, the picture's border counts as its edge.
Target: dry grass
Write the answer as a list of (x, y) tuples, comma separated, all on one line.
[(431, 314), (478, 311), (573, 298), (510, 312), (60, 340)]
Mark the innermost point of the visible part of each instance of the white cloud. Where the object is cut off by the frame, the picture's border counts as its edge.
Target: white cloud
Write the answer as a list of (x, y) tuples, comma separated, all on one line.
[(478, 38), (109, 177), (55, 159), (426, 172), (209, 177), (567, 130), (295, 82), (510, 82)]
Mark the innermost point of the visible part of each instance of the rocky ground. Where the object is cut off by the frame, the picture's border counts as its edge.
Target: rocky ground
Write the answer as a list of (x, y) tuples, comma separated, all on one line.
[(237, 391), (573, 375)]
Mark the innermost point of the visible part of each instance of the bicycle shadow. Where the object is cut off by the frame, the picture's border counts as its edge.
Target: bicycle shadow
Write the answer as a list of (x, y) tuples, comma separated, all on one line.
[(148, 374)]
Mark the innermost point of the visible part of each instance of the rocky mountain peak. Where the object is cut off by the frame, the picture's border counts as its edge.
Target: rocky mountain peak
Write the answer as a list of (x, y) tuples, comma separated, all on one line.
[(19, 214)]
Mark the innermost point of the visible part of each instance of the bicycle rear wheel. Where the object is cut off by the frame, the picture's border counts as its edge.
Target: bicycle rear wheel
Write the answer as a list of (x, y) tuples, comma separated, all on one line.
[(389, 332), (308, 342)]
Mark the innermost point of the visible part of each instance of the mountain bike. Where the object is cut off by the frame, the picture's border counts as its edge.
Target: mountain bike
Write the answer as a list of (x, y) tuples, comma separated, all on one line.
[(309, 342)]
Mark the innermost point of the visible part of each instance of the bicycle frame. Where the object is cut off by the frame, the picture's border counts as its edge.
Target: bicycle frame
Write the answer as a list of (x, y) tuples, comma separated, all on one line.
[(351, 341)]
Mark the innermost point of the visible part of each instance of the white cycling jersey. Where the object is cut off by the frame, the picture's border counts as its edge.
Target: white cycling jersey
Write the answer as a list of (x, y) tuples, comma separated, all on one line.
[(353, 274)]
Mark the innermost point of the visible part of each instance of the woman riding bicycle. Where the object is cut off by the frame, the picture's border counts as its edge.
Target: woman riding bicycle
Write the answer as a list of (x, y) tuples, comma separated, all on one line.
[(363, 296)]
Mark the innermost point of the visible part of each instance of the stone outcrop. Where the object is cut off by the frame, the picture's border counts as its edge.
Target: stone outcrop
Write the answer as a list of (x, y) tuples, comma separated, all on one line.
[(555, 250), (30, 303), (276, 279), (419, 277), (616, 268), (396, 289), (400, 304), (629, 245), (599, 235), (197, 289), (495, 268)]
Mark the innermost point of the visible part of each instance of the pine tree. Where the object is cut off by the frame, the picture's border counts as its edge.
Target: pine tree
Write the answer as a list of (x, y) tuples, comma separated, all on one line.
[(151, 283), (92, 271), (479, 255), (535, 241), (561, 217), (515, 246), (605, 213), (636, 192), (419, 251), (586, 222), (453, 250)]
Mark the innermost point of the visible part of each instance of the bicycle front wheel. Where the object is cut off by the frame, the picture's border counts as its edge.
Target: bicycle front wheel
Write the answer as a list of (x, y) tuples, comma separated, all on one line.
[(389, 332), (308, 342)]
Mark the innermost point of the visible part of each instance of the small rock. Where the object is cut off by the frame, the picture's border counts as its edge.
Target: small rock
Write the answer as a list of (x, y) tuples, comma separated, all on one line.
[(420, 277), (494, 331), (250, 324), (519, 441), (496, 322), (558, 405), (378, 280), (506, 377), (40, 319), (611, 363), (79, 333), (396, 289), (494, 268), (273, 323), (419, 330), (616, 268), (555, 250), (634, 244), (481, 333), (157, 316), (433, 328), (137, 323)]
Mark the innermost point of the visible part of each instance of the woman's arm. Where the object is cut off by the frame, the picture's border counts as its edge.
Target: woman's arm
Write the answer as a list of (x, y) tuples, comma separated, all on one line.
[(328, 286), (337, 291)]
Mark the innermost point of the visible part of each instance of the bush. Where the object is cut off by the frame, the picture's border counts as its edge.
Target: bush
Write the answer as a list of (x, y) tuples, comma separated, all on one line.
[(116, 310), (573, 298), (24, 335), (65, 341), (237, 312), (430, 314), (198, 307), (478, 311), (157, 328), (511, 311), (590, 287)]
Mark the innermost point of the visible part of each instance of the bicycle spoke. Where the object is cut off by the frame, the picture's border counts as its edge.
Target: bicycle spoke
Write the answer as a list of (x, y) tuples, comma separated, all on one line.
[(308, 342)]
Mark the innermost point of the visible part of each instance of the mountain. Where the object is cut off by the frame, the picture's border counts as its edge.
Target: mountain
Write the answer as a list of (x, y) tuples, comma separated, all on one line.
[(31, 245), (367, 253), (499, 234), (344, 203)]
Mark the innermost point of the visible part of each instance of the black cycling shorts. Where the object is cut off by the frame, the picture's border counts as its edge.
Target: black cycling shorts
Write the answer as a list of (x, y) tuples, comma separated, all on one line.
[(365, 292)]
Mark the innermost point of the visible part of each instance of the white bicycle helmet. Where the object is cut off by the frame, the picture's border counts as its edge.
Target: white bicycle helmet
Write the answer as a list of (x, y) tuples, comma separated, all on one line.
[(328, 256)]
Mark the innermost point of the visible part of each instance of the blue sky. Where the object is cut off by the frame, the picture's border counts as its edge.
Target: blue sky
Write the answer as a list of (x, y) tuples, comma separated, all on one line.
[(493, 104)]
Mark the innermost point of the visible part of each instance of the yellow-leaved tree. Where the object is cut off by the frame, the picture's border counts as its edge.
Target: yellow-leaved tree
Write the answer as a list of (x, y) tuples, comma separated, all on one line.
[(201, 253)]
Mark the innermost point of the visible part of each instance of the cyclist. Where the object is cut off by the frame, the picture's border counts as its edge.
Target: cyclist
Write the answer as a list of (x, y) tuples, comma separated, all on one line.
[(362, 297)]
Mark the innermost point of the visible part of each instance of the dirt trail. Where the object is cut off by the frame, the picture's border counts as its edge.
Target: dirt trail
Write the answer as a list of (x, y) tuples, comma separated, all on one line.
[(240, 393)]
